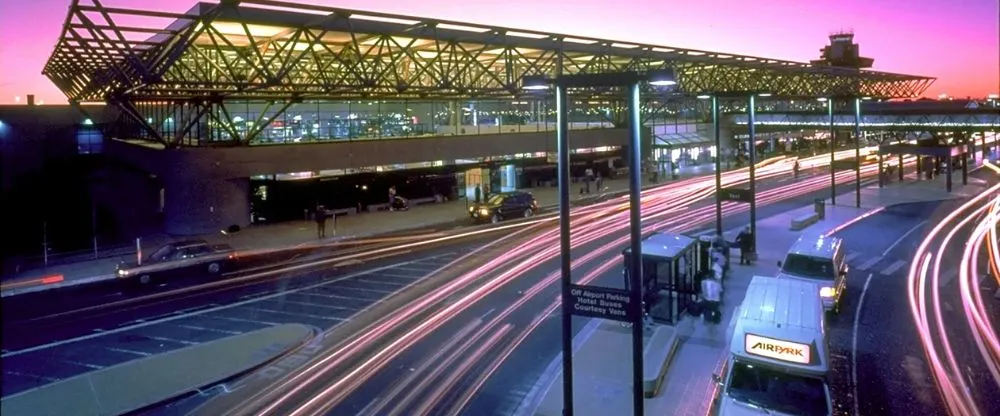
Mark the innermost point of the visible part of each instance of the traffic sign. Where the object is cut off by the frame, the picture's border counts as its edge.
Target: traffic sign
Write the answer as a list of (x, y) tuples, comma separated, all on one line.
[(603, 303)]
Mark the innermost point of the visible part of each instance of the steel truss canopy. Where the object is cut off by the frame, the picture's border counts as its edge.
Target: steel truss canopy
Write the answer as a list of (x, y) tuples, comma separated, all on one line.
[(274, 50)]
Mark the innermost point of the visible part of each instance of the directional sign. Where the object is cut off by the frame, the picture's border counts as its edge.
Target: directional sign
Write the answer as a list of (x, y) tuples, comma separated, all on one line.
[(603, 302), (849, 164), (736, 194)]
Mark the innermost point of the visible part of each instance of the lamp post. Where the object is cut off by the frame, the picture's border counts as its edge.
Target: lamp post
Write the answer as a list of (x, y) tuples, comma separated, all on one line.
[(833, 151), (857, 152), (632, 82), (718, 161)]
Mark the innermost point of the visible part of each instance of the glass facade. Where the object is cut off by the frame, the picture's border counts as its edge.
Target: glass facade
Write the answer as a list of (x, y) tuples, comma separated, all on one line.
[(276, 122)]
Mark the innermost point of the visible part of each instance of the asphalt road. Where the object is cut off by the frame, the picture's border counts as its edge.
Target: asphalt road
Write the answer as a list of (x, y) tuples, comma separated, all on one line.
[(41, 352), (500, 390)]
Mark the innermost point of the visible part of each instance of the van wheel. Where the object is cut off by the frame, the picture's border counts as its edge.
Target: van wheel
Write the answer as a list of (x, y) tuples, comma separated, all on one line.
[(145, 279), (528, 212), (214, 268), (495, 218)]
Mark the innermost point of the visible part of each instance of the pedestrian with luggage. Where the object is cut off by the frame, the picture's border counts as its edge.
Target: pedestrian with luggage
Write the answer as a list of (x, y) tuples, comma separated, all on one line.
[(711, 295)]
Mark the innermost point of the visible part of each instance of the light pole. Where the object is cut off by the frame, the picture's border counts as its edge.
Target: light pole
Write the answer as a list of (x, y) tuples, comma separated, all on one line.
[(752, 130), (857, 152), (632, 82), (718, 163), (833, 151)]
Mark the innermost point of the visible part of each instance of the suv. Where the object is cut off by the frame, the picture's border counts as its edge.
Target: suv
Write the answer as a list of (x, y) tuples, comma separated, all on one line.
[(502, 206), (818, 260), (180, 258)]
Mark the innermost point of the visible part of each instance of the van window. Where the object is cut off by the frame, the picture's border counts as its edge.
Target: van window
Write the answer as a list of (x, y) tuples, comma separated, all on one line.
[(777, 390), (809, 266)]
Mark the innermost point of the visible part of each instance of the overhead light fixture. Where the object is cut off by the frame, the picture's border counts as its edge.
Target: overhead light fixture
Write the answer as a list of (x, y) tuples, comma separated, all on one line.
[(704, 97), (534, 82), (821, 99), (661, 77), (764, 94)]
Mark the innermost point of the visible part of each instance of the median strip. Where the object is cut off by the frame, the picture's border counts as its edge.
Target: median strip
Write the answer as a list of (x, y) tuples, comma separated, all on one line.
[(149, 381)]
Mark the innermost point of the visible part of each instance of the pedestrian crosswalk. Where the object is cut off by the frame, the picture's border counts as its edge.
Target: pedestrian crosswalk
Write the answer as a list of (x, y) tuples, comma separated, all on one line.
[(890, 266)]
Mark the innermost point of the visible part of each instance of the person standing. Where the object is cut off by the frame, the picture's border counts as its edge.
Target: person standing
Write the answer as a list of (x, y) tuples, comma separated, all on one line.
[(745, 241), (599, 181), (320, 222), (392, 197), (588, 178), (479, 194)]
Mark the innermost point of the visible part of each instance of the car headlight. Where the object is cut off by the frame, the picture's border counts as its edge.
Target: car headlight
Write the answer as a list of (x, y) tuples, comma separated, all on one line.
[(484, 212), (827, 292), (472, 209), (122, 273)]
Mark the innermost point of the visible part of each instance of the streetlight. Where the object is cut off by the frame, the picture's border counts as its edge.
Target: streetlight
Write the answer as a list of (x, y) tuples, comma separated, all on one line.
[(631, 80)]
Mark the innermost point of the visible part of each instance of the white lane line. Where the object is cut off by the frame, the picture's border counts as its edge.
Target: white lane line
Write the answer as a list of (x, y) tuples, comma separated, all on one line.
[(128, 351), (249, 321), (851, 256), (197, 312), (868, 264), (85, 365), (315, 305), (361, 289), (854, 343), (893, 268), (423, 270), (29, 375), (165, 339), (401, 276), (206, 329), (377, 282), (336, 297), (299, 314), (857, 318)]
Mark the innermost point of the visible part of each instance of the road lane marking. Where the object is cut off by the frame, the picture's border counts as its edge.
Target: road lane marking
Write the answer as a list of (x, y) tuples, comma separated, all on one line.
[(857, 318), (893, 268), (947, 276), (868, 264), (202, 311), (853, 255)]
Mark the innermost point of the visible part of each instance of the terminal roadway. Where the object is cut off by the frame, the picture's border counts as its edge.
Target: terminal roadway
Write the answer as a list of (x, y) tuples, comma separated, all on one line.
[(443, 347), (334, 295), (878, 364)]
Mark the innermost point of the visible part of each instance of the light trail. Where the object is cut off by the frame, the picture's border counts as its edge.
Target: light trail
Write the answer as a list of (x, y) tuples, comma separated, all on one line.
[(395, 334), (980, 214)]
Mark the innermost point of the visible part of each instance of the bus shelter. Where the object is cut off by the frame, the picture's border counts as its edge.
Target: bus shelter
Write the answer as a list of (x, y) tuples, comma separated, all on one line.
[(931, 160), (671, 265)]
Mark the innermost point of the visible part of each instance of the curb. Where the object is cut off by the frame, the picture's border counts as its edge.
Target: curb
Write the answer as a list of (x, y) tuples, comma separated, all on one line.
[(146, 382)]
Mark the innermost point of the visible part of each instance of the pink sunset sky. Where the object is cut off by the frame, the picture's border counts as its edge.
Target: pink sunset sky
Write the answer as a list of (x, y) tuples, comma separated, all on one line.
[(956, 41)]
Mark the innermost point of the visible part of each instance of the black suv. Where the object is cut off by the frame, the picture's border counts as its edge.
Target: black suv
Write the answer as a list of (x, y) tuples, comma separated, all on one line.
[(502, 206)]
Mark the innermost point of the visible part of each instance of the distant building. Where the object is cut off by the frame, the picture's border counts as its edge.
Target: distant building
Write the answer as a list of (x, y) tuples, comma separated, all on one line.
[(843, 52)]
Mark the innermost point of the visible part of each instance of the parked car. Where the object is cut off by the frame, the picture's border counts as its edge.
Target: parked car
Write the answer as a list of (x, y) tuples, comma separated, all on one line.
[(502, 206), (183, 258)]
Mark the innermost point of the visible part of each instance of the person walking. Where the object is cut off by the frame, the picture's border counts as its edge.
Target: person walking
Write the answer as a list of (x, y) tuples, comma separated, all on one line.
[(711, 295), (599, 180), (392, 198), (795, 169)]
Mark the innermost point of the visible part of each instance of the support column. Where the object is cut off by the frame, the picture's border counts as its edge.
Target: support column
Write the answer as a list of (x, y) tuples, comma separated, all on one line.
[(635, 232), (454, 117), (965, 168), (751, 120), (833, 149), (857, 152), (881, 172), (565, 261), (900, 168), (718, 166), (948, 174)]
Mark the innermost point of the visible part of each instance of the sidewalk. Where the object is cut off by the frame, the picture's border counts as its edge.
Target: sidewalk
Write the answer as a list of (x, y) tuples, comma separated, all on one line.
[(688, 388), (445, 215)]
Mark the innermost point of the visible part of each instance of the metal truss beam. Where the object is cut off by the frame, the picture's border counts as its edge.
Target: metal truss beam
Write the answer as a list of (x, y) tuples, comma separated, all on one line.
[(271, 50)]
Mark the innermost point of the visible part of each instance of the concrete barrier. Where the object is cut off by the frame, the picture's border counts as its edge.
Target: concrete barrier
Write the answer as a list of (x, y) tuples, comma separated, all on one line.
[(802, 221), (138, 384), (657, 354)]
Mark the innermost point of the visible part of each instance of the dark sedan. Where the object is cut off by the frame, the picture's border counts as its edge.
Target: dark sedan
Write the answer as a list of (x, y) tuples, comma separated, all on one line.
[(502, 206), (187, 258)]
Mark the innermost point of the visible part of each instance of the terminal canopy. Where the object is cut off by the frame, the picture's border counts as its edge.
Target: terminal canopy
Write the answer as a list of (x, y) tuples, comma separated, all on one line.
[(281, 50)]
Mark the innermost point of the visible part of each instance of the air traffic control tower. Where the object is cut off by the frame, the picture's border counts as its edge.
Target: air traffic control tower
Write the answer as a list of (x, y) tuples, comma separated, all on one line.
[(843, 52)]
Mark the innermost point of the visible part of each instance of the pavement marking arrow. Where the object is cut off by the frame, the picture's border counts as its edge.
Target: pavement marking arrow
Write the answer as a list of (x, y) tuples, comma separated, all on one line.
[(893, 268)]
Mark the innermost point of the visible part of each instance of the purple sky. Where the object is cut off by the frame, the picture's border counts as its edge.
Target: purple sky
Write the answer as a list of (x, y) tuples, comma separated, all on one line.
[(956, 41)]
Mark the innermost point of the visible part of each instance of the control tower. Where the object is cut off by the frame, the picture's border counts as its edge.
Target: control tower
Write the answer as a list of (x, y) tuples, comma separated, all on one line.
[(843, 52)]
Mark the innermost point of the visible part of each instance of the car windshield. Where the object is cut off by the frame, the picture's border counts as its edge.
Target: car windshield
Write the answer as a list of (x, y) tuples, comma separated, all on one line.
[(162, 254), (808, 266), (777, 390), (495, 200)]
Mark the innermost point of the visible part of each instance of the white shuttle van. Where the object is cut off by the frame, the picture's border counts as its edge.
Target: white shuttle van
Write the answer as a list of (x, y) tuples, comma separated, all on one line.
[(778, 363), (821, 260)]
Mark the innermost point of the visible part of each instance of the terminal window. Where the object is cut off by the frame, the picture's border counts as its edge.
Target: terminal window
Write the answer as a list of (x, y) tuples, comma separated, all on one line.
[(89, 140)]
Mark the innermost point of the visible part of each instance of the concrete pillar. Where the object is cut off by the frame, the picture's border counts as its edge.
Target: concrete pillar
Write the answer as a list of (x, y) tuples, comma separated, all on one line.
[(195, 204), (455, 117)]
